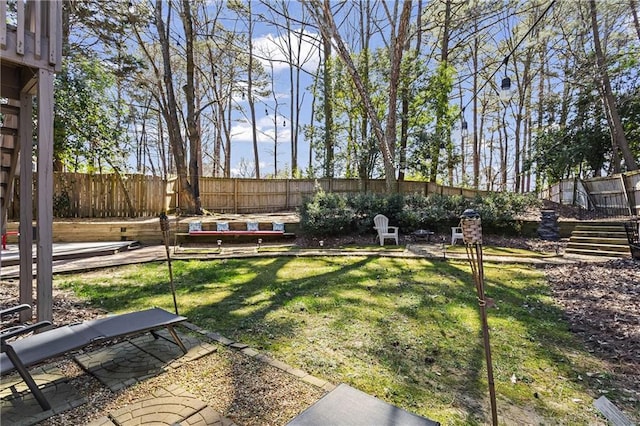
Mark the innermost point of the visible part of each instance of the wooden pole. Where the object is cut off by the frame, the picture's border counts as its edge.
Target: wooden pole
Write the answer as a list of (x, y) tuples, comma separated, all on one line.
[(472, 236)]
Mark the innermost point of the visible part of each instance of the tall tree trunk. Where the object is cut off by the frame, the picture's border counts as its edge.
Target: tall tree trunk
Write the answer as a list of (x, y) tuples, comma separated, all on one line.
[(386, 140), (294, 93), (618, 138), (404, 96), (634, 13), (441, 131), (192, 117), (170, 113), (476, 131), (227, 139), (364, 171), (541, 97), (398, 46), (504, 151), (252, 106), (328, 102)]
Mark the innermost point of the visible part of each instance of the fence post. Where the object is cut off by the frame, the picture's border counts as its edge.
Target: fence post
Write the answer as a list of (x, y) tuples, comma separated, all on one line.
[(625, 193), (235, 196), (287, 196)]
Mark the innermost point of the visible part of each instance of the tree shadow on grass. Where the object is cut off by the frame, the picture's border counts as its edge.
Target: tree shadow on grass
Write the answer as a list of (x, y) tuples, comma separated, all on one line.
[(368, 311)]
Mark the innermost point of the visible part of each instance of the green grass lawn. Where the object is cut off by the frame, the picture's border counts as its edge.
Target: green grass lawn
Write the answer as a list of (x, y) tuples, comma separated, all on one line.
[(405, 330), (501, 251)]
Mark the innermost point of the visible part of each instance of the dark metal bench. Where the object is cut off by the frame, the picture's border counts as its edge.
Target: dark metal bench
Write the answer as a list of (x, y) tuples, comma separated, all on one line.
[(21, 353), (633, 237)]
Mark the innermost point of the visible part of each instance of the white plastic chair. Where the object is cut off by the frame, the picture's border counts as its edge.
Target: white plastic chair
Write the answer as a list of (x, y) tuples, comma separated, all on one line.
[(456, 234), (384, 230)]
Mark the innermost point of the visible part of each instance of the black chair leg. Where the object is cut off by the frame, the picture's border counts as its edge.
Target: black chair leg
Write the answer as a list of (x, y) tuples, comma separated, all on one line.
[(24, 373)]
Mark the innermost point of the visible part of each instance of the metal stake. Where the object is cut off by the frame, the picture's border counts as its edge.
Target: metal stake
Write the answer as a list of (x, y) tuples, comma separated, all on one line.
[(164, 227)]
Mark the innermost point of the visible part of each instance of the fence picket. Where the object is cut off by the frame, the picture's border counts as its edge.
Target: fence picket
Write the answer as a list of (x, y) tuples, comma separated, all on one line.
[(91, 195)]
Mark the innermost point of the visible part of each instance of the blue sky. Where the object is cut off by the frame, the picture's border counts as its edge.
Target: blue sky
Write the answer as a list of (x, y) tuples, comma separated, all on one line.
[(270, 48)]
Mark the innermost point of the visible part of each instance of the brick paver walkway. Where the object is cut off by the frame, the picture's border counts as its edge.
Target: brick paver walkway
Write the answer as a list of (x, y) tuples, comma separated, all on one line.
[(140, 358), (166, 406), (18, 407)]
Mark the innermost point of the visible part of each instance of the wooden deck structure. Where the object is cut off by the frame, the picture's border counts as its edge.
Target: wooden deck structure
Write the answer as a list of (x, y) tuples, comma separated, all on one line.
[(30, 54)]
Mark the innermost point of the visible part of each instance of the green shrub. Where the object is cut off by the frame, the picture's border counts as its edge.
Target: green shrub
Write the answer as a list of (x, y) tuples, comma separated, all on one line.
[(365, 206), (332, 214), (499, 210), (62, 204), (325, 214)]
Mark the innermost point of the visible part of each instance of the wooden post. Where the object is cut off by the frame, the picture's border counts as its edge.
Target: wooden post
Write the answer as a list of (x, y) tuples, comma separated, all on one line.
[(287, 196), (3, 26), (25, 240), (20, 28), (55, 34), (625, 194), (235, 196), (45, 198)]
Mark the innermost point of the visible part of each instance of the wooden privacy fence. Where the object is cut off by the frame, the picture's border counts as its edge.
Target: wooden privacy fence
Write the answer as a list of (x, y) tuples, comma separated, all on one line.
[(104, 195), (617, 195), (269, 195)]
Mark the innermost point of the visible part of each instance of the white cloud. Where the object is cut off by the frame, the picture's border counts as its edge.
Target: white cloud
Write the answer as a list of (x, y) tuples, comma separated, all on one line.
[(274, 48), (242, 132)]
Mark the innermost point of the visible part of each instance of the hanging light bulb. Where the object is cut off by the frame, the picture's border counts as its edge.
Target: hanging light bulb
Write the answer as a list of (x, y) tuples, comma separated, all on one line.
[(464, 127), (266, 111), (284, 123), (505, 86)]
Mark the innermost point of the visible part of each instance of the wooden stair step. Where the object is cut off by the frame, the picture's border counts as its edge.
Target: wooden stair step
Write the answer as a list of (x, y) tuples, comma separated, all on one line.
[(9, 109), (589, 252), (600, 240), (604, 228), (598, 247), (616, 231)]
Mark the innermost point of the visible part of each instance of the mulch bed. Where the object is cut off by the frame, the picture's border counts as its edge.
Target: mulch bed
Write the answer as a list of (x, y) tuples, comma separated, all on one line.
[(601, 303)]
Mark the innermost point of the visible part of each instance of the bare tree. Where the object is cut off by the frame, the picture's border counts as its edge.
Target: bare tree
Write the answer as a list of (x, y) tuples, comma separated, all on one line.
[(167, 100), (323, 16), (193, 116), (618, 138)]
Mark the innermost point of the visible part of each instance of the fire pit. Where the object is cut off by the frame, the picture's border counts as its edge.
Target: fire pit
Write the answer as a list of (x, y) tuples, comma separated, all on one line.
[(423, 234)]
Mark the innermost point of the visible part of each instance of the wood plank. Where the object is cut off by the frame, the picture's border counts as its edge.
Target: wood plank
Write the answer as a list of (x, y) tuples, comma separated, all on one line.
[(20, 31), (37, 29), (55, 33), (45, 199), (26, 200), (611, 412), (3, 25)]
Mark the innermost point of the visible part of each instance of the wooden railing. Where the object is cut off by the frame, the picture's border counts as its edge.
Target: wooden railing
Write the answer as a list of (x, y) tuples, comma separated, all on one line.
[(610, 196), (30, 33)]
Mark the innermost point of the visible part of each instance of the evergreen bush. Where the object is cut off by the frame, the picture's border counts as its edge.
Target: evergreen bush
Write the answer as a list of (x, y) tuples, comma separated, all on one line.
[(325, 214), (333, 214)]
